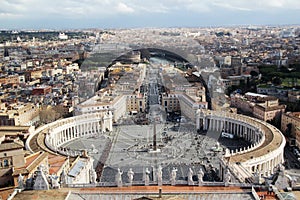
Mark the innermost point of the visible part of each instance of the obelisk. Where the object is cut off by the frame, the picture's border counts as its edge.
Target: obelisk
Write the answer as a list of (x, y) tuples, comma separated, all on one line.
[(154, 136)]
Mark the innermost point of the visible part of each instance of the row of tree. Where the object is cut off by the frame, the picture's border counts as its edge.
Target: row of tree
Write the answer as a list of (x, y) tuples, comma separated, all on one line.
[(49, 114), (277, 75)]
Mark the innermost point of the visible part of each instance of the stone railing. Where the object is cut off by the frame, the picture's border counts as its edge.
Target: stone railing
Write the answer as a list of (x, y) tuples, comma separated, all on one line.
[(245, 121), (37, 131), (153, 183), (266, 150), (63, 151), (256, 124), (252, 147)]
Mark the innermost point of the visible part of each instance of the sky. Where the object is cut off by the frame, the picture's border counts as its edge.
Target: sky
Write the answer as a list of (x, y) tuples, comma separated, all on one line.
[(65, 14)]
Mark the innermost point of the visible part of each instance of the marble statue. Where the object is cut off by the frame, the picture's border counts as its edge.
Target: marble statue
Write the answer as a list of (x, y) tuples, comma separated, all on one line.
[(130, 174), (63, 178), (20, 182), (154, 173), (45, 169), (227, 177), (29, 183), (281, 168), (173, 176), (54, 182), (227, 152), (190, 177), (147, 178), (200, 177), (293, 181), (118, 178), (159, 175), (93, 176), (93, 147)]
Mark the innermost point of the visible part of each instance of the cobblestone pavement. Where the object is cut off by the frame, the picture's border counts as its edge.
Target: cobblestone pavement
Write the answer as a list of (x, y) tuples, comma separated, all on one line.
[(181, 148)]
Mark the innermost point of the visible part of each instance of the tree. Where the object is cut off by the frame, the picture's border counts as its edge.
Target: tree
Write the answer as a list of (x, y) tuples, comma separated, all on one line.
[(253, 74), (48, 114), (276, 80), (6, 54)]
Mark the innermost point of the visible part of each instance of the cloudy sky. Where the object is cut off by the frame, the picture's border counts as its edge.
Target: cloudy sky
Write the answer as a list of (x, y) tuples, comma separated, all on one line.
[(38, 14)]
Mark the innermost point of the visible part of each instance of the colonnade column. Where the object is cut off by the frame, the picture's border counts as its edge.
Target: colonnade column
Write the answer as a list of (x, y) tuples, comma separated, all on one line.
[(63, 135), (241, 130), (206, 123), (59, 137), (68, 133)]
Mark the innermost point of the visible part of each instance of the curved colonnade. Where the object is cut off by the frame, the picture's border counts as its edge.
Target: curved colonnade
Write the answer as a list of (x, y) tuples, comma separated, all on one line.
[(261, 157), (66, 130), (267, 142)]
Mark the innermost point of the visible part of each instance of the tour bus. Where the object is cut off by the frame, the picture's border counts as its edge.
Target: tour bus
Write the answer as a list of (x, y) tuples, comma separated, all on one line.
[(227, 135)]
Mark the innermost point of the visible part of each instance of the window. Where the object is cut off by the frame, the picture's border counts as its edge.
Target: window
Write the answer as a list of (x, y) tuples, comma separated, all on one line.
[(5, 162)]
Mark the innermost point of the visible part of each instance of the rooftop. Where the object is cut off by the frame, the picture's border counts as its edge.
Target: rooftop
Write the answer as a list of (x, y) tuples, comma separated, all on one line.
[(31, 162), (256, 94), (55, 162), (8, 146), (14, 128), (273, 140), (77, 167), (135, 192)]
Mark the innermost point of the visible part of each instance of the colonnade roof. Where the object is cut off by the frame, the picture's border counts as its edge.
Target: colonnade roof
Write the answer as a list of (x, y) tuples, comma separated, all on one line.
[(273, 137), (273, 140)]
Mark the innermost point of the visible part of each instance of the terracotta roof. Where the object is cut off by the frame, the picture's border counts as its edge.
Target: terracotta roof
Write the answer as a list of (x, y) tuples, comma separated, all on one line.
[(273, 140), (294, 115), (31, 162), (29, 159), (55, 163), (169, 192)]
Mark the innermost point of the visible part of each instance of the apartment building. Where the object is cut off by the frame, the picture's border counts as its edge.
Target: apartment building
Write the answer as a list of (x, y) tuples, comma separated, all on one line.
[(290, 124)]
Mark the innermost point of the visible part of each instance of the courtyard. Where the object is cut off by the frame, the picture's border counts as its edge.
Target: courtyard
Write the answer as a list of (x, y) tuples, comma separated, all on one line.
[(177, 146)]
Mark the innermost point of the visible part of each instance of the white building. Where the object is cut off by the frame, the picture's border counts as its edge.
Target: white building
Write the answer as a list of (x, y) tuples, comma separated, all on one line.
[(62, 36)]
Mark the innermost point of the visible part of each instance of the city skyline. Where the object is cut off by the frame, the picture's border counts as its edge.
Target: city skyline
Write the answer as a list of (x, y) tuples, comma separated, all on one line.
[(186, 110), (33, 14)]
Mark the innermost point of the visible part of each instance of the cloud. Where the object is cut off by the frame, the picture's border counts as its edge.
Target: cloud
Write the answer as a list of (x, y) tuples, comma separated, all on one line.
[(198, 7), (229, 6), (165, 11), (9, 15), (283, 4), (257, 5), (113, 7), (123, 8), (150, 7)]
